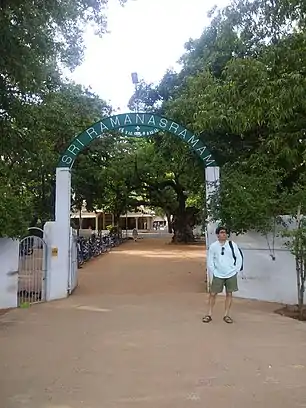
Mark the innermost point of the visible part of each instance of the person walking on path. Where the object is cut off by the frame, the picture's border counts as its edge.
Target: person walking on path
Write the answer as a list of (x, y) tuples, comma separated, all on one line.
[(135, 234), (224, 263)]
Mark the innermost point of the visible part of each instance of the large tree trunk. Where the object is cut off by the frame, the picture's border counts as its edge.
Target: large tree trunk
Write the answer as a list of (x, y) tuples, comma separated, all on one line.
[(183, 222), (183, 233), (169, 222)]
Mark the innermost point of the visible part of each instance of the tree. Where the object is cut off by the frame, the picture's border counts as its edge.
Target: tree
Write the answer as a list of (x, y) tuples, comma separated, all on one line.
[(104, 177), (60, 115), (44, 130), (257, 101), (166, 182), (36, 42), (297, 245), (172, 171), (15, 206)]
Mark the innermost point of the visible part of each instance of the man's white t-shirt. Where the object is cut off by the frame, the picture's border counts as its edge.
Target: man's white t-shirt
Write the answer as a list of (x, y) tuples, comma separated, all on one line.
[(221, 261)]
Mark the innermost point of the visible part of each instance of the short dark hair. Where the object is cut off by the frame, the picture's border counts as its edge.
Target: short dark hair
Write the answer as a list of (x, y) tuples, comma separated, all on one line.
[(221, 228)]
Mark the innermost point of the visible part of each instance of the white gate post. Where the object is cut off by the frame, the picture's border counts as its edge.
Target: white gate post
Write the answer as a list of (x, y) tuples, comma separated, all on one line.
[(212, 180), (62, 219), (9, 259), (58, 238)]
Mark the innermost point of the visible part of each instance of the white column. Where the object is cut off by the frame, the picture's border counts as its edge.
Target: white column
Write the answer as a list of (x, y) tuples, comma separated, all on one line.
[(9, 260), (103, 221), (212, 180), (97, 222), (59, 238), (136, 221)]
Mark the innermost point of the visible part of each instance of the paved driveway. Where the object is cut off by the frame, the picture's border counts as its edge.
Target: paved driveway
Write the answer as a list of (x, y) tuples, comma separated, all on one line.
[(132, 336)]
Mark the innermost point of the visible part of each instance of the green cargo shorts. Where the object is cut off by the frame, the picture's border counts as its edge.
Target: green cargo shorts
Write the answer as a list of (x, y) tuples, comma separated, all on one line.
[(218, 284)]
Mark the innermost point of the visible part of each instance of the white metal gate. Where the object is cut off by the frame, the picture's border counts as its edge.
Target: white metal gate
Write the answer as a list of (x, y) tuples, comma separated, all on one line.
[(32, 270), (73, 262)]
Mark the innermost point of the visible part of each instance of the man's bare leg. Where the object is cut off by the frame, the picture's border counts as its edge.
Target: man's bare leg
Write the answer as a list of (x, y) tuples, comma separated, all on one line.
[(228, 304), (211, 304)]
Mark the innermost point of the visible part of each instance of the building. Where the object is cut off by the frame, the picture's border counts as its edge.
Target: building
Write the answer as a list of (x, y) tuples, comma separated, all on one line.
[(99, 220)]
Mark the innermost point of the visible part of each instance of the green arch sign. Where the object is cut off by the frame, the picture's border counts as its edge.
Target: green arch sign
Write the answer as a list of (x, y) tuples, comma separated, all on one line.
[(133, 125), (138, 131)]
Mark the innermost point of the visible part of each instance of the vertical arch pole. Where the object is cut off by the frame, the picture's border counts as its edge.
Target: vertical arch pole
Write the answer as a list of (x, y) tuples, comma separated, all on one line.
[(58, 238), (212, 181)]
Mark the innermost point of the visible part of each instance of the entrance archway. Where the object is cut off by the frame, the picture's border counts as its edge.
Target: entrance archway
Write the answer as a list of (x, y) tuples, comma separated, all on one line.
[(134, 125), (130, 124)]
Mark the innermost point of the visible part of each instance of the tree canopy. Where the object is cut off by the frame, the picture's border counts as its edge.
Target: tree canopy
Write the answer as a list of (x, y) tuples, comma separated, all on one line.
[(39, 109), (240, 87)]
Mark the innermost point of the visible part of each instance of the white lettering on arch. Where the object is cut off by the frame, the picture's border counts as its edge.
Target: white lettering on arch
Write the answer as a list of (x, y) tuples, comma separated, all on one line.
[(174, 127), (201, 150), (140, 118), (163, 123), (92, 133), (80, 143), (193, 141), (127, 120), (67, 159), (152, 121), (73, 149), (209, 160), (183, 134), (115, 122), (103, 127)]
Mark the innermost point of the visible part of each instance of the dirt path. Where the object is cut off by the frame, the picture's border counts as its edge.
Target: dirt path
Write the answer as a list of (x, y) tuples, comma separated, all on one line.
[(131, 336), (149, 266)]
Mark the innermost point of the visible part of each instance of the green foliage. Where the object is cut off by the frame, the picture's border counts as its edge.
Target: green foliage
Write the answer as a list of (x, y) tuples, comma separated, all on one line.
[(38, 112), (15, 208), (245, 200), (242, 88)]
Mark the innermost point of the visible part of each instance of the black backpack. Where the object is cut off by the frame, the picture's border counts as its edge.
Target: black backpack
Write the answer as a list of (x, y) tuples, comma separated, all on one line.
[(234, 256)]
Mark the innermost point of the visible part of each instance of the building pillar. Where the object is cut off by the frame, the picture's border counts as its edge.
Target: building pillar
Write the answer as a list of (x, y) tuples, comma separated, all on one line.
[(103, 221)]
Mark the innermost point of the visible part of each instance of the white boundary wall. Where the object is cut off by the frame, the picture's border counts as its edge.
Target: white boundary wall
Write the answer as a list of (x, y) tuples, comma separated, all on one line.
[(263, 278), (9, 258)]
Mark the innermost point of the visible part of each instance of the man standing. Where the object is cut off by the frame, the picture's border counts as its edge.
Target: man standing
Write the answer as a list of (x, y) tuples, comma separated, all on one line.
[(224, 263)]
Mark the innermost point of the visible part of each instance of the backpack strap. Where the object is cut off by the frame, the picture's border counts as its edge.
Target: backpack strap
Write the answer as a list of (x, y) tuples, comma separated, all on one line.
[(233, 252)]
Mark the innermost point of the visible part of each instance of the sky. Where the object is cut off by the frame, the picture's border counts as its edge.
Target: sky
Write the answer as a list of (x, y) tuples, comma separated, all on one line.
[(147, 37)]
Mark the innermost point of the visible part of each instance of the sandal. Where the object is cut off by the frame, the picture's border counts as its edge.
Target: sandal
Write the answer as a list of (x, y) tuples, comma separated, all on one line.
[(207, 319), (228, 319)]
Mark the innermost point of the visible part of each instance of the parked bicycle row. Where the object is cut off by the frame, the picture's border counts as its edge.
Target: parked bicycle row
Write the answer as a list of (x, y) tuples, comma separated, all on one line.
[(95, 245)]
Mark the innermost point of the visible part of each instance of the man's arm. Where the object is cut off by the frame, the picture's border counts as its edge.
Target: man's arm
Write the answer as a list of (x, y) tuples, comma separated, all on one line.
[(210, 260), (239, 259)]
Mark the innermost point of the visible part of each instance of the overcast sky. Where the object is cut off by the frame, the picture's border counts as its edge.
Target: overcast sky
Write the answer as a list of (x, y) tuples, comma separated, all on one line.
[(146, 36)]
